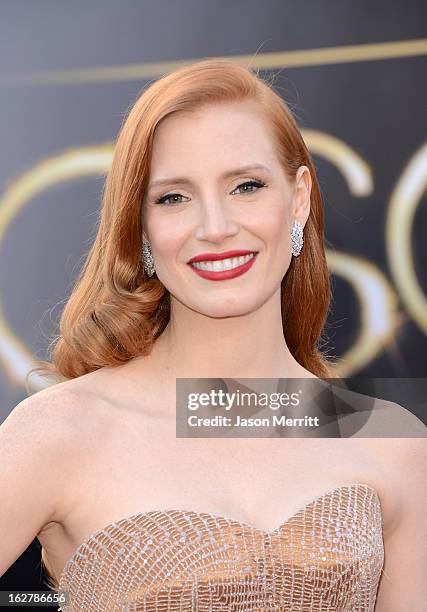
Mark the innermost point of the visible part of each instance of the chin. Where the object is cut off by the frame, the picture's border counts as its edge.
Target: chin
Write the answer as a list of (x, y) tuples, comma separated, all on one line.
[(222, 308)]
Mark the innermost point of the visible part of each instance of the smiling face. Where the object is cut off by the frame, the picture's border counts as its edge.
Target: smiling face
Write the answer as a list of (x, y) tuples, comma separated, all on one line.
[(216, 185)]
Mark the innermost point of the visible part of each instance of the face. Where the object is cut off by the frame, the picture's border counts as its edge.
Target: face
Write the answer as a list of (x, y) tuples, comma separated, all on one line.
[(216, 186)]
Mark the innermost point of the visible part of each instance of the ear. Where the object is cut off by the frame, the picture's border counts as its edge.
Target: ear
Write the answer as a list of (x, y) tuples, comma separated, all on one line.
[(302, 192)]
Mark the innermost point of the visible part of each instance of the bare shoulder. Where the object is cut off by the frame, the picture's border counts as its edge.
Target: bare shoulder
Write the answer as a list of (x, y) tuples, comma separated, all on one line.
[(401, 421), (382, 419), (37, 439), (62, 415), (44, 415)]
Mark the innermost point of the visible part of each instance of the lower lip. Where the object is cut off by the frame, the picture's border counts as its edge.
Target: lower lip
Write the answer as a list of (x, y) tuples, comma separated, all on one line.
[(225, 274)]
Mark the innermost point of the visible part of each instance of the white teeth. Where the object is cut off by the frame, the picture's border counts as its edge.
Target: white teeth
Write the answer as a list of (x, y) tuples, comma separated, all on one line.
[(219, 265)]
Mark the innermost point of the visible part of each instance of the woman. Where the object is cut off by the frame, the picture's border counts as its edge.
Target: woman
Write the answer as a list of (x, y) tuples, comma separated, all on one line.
[(210, 161)]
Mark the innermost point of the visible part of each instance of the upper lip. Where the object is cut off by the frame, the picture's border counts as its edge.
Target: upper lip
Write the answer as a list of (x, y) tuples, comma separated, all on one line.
[(223, 255)]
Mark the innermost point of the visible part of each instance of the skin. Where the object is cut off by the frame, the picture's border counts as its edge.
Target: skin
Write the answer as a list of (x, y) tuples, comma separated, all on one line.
[(106, 427)]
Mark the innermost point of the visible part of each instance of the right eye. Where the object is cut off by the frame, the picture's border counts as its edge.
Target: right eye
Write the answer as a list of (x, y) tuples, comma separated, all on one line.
[(168, 196)]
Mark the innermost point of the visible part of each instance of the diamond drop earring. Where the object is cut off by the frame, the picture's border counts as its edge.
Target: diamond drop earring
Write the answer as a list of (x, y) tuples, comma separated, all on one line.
[(147, 258), (297, 239)]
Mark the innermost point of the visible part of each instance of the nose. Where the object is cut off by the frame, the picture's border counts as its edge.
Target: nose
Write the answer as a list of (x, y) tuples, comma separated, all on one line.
[(215, 223)]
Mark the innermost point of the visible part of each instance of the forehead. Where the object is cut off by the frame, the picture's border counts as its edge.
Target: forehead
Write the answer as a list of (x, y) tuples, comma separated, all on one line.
[(216, 134)]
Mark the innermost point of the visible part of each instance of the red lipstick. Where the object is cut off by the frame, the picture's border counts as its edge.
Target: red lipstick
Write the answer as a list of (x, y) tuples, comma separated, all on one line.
[(223, 274)]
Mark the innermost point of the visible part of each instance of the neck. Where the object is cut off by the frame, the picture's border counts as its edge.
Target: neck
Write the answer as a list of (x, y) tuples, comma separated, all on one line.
[(248, 346)]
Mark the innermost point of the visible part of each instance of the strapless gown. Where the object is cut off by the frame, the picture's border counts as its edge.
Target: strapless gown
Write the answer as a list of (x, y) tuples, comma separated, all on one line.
[(328, 556)]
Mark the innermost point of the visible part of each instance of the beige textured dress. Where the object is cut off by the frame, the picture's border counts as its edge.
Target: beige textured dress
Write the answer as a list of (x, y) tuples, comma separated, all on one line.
[(328, 556)]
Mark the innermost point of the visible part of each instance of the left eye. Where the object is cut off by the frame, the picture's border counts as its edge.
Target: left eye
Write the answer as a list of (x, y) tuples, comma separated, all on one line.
[(256, 184)]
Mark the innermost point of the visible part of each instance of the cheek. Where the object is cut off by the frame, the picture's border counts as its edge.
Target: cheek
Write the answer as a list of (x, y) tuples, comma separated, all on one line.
[(274, 231), (167, 240), (272, 226)]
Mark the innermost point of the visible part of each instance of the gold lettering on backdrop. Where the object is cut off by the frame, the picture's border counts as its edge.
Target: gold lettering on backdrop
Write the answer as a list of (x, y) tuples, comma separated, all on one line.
[(403, 204), (355, 170), (378, 303), (377, 300), (15, 357)]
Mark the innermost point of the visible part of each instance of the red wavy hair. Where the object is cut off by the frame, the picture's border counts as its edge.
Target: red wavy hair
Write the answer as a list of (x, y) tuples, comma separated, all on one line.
[(115, 312)]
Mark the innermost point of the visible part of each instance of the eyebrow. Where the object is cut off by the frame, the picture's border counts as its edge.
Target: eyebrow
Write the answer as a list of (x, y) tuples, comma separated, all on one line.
[(182, 180)]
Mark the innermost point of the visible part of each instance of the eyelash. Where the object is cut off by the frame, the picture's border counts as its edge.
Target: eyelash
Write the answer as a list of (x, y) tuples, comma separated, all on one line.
[(255, 183)]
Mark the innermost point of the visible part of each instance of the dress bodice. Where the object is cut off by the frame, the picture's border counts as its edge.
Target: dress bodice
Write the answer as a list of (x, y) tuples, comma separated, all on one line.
[(328, 556)]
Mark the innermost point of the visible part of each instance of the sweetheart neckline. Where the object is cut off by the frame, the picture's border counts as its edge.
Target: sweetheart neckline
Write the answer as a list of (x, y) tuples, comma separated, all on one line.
[(265, 533)]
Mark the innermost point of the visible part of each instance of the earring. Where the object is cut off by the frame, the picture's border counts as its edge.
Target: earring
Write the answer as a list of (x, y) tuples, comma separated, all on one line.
[(297, 239), (147, 258)]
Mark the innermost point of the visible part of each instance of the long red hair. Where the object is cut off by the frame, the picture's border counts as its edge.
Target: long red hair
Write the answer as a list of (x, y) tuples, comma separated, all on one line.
[(115, 312)]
